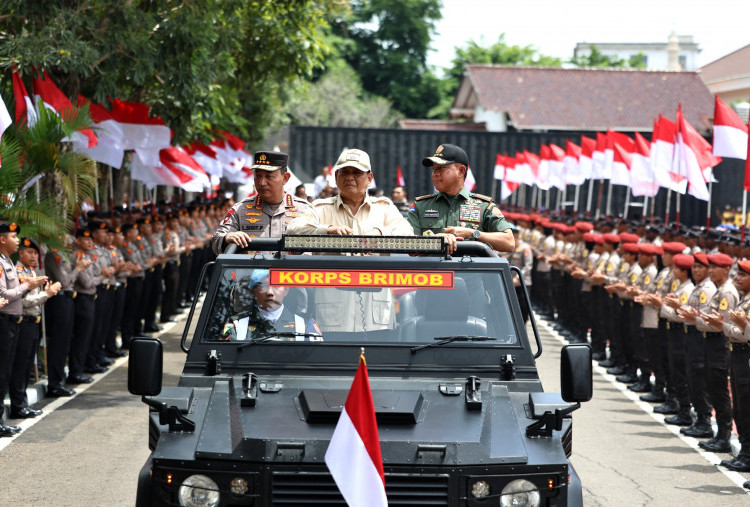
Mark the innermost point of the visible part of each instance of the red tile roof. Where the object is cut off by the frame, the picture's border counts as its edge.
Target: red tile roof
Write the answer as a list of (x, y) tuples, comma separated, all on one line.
[(417, 124), (735, 63), (585, 99)]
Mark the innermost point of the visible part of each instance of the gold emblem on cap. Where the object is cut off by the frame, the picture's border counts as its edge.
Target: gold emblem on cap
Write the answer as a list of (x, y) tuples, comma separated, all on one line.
[(26, 242), (262, 157), (12, 227), (439, 150)]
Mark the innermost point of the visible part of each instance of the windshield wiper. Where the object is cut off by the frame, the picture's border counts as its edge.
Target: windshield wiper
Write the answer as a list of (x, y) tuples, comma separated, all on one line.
[(442, 340), (269, 336)]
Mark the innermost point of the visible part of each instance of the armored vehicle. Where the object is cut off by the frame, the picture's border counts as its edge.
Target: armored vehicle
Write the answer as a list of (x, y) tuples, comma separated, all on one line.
[(462, 416)]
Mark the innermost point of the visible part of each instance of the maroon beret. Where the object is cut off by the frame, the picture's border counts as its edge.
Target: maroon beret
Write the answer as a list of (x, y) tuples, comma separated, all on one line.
[(683, 261), (721, 260)]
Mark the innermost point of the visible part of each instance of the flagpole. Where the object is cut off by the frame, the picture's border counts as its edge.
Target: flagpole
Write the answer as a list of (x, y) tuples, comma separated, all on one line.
[(547, 200), (575, 203), (627, 203), (744, 213), (609, 200), (533, 197), (111, 194), (589, 196), (644, 206), (561, 198), (708, 209), (653, 208), (677, 209), (669, 205)]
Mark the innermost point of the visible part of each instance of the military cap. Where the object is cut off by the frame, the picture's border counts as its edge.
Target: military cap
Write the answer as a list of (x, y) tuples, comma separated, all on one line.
[(258, 277), (28, 243), (143, 220), (355, 158), (683, 261), (584, 226), (674, 247), (97, 224), (592, 237), (612, 238), (701, 258), (9, 227), (116, 230), (744, 266), (721, 260), (630, 247), (83, 233), (692, 234), (128, 225), (629, 237), (270, 161), (447, 154), (650, 249)]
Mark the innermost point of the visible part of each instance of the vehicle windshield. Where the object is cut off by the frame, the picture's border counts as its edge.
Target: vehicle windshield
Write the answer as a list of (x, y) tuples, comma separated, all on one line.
[(358, 306)]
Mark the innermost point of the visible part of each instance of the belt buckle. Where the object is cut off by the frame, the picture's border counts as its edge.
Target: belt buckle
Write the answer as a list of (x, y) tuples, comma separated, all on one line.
[(730, 346), (705, 335), (19, 319), (108, 284), (685, 327), (668, 327), (96, 296), (75, 294), (38, 319)]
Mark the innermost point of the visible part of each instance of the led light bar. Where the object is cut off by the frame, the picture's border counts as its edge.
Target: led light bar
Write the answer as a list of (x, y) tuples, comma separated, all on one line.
[(364, 244)]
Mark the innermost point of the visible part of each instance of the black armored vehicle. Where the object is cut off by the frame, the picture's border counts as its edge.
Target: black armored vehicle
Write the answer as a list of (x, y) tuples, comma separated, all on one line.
[(462, 415)]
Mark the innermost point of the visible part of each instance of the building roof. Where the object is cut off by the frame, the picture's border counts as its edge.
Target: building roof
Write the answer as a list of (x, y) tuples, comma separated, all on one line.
[(734, 64), (686, 43), (544, 98), (417, 124)]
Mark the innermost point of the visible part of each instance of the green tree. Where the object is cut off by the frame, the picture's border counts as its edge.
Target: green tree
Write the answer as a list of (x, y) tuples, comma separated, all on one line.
[(498, 53), (595, 58), (386, 42)]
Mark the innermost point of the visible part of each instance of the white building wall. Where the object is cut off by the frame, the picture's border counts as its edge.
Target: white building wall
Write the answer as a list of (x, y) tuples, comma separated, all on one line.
[(495, 120)]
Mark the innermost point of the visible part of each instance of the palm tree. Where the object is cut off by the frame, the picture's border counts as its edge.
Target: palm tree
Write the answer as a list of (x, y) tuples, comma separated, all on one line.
[(42, 181)]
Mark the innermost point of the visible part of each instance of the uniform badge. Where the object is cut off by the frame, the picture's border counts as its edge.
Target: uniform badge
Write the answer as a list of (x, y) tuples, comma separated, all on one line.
[(249, 206), (683, 299), (497, 213), (723, 304), (702, 298), (469, 213), (675, 284), (431, 213), (585, 253), (253, 220), (291, 214), (659, 284), (623, 267), (413, 209), (228, 217), (610, 267), (647, 280), (253, 214), (633, 278)]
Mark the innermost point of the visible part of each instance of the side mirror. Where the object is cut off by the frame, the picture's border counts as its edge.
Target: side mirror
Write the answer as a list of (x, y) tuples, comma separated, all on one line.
[(576, 380), (145, 366)]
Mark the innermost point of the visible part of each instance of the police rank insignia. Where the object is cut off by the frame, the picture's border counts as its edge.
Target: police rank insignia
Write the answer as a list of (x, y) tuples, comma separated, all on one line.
[(253, 220), (659, 284), (675, 284), (253, 214), (683, 299), (723, 304), (647, 280), (702, 298), (623, 268), (633, 278), (469, 213), (431, 213)]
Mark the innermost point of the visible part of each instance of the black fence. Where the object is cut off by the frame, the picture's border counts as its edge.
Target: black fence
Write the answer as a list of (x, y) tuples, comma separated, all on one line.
[(311, 148)]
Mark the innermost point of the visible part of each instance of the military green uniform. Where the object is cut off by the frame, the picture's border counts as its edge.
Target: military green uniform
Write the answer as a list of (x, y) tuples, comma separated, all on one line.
[(437, 211)]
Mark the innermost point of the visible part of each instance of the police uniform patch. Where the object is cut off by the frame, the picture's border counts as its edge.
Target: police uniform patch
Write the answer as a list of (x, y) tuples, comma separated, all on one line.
[(659, 284), (702, 298), (253, 220), (254, 228), (291, 214), (647, 280), (675, 284), (633, 278), (227, 217), (497, 213), (623, 268), (469, 213), (253, 214), (249, 206), (431, 213), (683, 299), (723, 304)]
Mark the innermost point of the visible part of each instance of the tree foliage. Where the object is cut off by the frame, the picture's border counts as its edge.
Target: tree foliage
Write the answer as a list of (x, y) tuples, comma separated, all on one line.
[(595, 58), (201, 64), (386, 42)]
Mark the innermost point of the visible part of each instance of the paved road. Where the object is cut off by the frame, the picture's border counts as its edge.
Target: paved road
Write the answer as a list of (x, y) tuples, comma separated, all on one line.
[(88, 450)]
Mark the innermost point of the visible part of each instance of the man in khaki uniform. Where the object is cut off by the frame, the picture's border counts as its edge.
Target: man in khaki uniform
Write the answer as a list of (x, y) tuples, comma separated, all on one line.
[(266, 215)]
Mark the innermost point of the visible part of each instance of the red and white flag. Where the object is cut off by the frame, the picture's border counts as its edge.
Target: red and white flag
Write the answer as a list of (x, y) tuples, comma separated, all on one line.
[(25, 111), (470, 183), (730, 132), (662, 155), (531, 161), (400, 177), (619, 148), (543, 175), (556, 172), (499, 172), (642, 180), (206, 157), (109, 133), (694, 158), (353, 456), (139, 130), (571, 165), (55, 100), (599, 170), (175, 168), (585, 159), (5, 120)]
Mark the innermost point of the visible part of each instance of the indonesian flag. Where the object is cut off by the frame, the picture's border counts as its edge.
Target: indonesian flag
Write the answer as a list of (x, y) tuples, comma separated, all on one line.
[(353, 456), (573, 173), (139, 130), (662, 154), (585, 159), (642, 180), (55, 100), (206, 157), (400, 177), (621, 146), (109, 133), (599, 169), (532, 163), (499, 173), (693, 158), (469, 183), (730, 132), (507, 187), (176, 168), (556, 173), (5, 120), (25, 111)]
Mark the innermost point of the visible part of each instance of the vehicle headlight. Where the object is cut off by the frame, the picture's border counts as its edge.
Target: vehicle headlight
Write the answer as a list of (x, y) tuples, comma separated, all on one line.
[(480, 489), (520, 493), (199, 491)]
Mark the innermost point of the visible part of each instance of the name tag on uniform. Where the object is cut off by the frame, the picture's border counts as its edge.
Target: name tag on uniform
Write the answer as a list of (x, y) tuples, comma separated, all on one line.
[(253, 214), (469, 213), (254, 228), (431, 213)]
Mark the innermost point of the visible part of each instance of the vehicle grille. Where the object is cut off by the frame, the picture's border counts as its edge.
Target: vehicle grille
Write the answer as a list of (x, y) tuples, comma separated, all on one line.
[(567, 441), (300, 488)]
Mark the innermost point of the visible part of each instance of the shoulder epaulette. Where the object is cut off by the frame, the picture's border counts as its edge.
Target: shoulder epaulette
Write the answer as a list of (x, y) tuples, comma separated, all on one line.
[(19, 268), (423, 197), (482, 197), (327, 200)]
